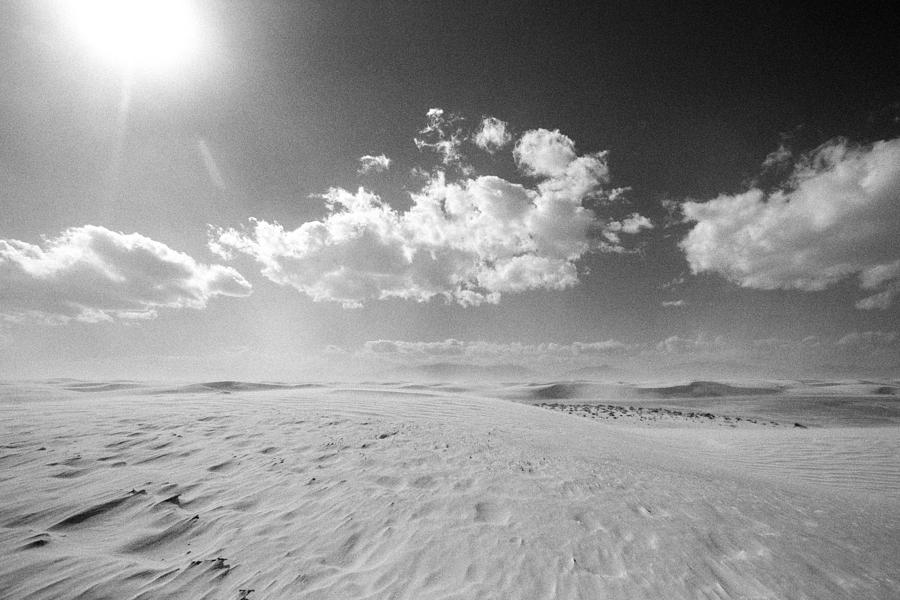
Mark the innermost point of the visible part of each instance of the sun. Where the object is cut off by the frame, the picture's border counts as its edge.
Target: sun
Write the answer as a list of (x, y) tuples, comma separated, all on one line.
[(136, 34)]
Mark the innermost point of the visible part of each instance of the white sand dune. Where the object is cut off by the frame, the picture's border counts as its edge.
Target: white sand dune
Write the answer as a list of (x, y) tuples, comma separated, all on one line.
[(427, 492)]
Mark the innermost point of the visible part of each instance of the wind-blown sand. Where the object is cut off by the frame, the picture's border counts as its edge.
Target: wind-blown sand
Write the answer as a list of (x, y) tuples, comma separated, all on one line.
[(232, 490)]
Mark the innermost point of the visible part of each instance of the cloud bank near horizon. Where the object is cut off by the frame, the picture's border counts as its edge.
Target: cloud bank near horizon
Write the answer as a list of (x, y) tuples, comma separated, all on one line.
[(834, 217), (91, 274), (492, 350), (467, 238), (874, 347)]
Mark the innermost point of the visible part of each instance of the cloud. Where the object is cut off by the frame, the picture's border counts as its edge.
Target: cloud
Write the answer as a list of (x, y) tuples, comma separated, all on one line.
[(774, 344), (871, 340), (493, 135), (673, 283), (868, 349), (92, 274), (778, 159), (604, 348), (448, 347), (673, 303), (882, 300), (836, 216), (443, 135), (373, 164), (544, 153), (861, 351), (701, 344), (492, 351), (468, 240), (631, 225), (886, 276)]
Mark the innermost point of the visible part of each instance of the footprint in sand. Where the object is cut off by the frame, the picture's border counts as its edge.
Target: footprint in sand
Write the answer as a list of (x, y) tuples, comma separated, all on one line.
[(388, 481), (588, 520), (425, 481), (463, 484), (491, 512)]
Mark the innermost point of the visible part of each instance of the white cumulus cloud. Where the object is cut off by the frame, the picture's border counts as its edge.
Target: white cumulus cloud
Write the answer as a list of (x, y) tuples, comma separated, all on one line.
[(544, 153), (468, 240), (373, 164), (835, 217), (92, 274)]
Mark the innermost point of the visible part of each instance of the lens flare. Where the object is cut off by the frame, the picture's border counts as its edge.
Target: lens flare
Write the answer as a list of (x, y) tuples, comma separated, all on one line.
[(148, 34)]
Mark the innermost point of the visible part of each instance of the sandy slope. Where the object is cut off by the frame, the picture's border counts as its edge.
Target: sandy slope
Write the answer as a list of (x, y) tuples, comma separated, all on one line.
[(429, 493)]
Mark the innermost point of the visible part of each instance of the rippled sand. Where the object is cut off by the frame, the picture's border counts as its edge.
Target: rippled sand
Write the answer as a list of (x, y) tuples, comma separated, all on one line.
[(228, 490)]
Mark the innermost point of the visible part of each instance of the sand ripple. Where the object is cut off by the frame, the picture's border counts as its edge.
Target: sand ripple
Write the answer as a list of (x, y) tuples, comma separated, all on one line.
[(385, 492)]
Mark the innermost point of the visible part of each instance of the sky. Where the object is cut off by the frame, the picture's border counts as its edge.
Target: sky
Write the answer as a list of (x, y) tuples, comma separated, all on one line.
[(304, 190)]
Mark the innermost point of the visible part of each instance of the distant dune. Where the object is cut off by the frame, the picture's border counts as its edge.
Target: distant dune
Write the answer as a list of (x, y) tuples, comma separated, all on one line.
[(101, 387), (233, 386), (708, 389), (566, 390), (605, 372), (560, 391), (456, 372)]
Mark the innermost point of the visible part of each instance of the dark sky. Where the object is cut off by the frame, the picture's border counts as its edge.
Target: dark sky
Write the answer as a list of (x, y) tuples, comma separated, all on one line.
[(285, 97)]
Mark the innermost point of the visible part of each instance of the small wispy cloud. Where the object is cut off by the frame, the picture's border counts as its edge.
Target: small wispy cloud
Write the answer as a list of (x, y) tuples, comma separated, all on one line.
[(776, 345), (702, 343), (860, 351), (630, 225), (886, 276), (673, 283), (373, 164), (92, 274), (869, 339), (443, 135), (779, 158), (493, 135)]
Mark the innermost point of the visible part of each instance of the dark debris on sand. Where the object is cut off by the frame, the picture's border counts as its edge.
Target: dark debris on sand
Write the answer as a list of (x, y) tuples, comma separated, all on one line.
[(652, 414)]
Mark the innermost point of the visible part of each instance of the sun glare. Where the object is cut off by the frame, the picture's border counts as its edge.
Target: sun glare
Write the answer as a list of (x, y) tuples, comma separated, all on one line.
[(150, 34)]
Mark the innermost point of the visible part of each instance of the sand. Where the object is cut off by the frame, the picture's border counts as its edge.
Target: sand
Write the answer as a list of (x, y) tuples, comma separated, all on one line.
[(230, 491)]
